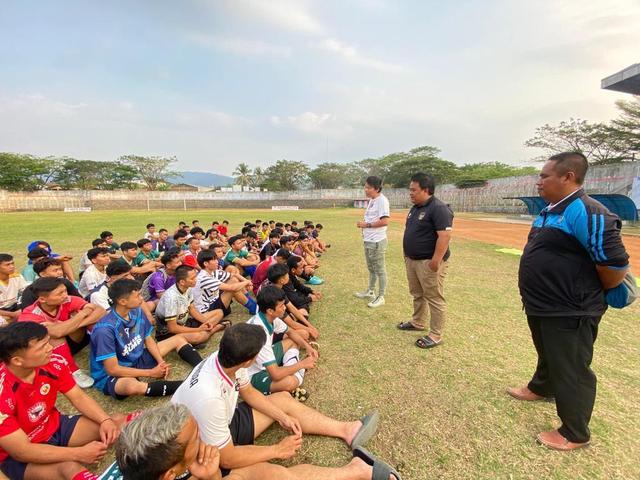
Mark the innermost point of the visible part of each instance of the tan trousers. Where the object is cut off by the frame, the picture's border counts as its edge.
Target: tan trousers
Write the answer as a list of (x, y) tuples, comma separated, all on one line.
[(427, 289)]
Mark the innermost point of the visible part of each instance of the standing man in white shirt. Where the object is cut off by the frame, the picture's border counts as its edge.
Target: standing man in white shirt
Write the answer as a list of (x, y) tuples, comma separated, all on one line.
[(374, 234)]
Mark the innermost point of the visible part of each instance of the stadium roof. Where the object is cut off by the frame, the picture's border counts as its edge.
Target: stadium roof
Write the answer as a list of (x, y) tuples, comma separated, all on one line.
[(627, 80)]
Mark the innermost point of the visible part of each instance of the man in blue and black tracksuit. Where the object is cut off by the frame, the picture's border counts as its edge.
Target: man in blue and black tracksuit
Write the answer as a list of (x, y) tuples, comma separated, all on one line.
[(574, 254)]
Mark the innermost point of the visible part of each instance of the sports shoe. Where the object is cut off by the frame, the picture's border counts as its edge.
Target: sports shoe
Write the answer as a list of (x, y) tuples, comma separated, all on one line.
[(366, 294), (82, 379), (377, 302), (315, 280)]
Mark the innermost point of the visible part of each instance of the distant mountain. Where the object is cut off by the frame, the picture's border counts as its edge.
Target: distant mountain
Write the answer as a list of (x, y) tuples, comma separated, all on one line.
[(202, 179)]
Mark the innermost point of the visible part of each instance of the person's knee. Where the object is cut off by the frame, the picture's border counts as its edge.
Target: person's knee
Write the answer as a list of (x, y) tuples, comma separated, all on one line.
[(287, 384), (69, 469)]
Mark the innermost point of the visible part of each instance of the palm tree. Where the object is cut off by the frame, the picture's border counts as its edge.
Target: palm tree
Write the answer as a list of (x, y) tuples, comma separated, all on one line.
[(242, 174), (257, 178)]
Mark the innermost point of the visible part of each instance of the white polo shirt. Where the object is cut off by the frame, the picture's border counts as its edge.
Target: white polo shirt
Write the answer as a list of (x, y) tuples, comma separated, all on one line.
[(91, 278), (378, 208), (266, 356), (211, 397)]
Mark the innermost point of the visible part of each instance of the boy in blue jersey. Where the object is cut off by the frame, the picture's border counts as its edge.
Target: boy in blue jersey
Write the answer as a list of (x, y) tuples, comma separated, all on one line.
[(123, 348)]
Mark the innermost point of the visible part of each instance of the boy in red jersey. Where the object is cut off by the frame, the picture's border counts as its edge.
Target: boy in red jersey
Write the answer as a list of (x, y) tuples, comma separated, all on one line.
[(36, 441)]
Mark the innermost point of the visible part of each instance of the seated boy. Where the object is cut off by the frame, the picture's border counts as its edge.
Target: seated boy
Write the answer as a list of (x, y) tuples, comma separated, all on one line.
[(147, 254), (36, 441), (64, 259), (216, 288), (240, 258), (162, 279), (95, 275), (34, 256), (260, 276), (129, 255), (211, 393), (12, 285), (47, 268), (298, 319), (177, 314), (151, 233), (278, 367), (272, 245), (123, 349), (191, 255), (66, 319), (84, 259), (300, 295)]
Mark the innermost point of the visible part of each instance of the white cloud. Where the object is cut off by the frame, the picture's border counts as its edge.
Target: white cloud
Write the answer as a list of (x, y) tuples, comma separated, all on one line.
[(308, 122), (351, 55), (292, 15), (240, 46)]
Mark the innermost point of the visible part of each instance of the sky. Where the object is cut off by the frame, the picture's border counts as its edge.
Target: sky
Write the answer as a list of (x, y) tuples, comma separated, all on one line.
[(219, 82)]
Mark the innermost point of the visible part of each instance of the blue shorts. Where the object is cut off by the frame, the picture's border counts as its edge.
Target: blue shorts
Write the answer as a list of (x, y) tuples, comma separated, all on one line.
[(15, 469), (146, 361)]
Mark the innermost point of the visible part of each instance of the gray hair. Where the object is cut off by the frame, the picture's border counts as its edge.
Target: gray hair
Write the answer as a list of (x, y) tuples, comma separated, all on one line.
[(148, 445)]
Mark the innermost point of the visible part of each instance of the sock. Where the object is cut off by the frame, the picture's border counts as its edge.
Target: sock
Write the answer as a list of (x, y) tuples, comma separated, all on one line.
[(162, 388), (251, 305), (84, 475), (65, 352), (291, 357), (189, 355)]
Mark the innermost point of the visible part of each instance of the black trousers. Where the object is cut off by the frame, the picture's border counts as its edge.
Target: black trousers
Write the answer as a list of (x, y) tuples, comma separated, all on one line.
[(565, 351)]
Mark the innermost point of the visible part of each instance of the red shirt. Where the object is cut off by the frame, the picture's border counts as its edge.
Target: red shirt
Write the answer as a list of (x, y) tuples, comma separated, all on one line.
[(260, 274), (32, 406), (222, 229), (33, 313), (191, 259)]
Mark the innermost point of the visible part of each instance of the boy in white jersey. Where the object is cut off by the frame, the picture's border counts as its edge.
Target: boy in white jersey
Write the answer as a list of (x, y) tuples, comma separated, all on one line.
[(278, 367), (211, 393)]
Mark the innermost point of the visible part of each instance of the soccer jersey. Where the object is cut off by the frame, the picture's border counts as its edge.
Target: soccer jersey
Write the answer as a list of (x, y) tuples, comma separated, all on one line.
[(207, 289), (91, 278), (266, 356), (142, 258), (173, 306), (211, 397), (114, 336), (28, 273), (191, 259), (260, 274), (10, 293), (231, 255), (35, 313), (158, 282), (100, 297), (32, 406)]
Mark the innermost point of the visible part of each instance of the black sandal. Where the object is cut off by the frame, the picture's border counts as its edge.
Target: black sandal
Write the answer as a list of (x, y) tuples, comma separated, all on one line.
[(427, 342), (381, 470), (408, 327)]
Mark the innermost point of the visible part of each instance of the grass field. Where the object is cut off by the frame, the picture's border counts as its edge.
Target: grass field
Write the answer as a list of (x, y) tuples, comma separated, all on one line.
[(444, 412)]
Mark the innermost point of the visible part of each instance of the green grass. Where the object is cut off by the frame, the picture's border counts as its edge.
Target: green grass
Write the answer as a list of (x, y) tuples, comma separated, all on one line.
[(444, 412)]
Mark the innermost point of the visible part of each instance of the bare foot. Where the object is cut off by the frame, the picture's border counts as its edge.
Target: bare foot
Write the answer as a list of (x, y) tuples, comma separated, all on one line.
[(352, 430), (362, 470)]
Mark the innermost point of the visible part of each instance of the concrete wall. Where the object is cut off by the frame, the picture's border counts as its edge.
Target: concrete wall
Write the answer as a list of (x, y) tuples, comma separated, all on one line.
[(489, 198)]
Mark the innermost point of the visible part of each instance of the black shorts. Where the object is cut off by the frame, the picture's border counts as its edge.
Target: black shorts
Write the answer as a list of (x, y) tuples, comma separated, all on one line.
[(218, 304), (162, 333), (241, 428), (15, 469), (74, 346)]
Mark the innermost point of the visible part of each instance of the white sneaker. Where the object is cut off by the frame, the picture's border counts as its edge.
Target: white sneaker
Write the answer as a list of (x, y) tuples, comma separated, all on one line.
[(378, 302), (366, 294), (82, 379)]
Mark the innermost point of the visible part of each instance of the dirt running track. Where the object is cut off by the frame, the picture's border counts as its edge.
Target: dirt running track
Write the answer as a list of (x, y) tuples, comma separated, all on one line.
[(514, 235)]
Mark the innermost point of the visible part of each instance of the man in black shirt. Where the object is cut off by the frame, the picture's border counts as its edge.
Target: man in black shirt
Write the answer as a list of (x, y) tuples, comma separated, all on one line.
[(426, 254)]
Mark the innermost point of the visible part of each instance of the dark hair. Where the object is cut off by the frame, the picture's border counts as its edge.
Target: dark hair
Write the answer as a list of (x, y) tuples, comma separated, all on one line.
[(303, 236), (97, 242), (193, 222), (258, 221), (294, 223), (17, 335), (122, 288), (425, 182), (128, 246), (182, 272), (5, 257), (319, 225), (287, 225), (225, 221), (142, 242), (239, 343), (206, 256), (246, 224), (106, 234), (215, 245), (283, 253), (286, 239), (41, 266), (246, 229), (234, 239), (94, 252), (308, 225), (574, 162), (210, 231), (272, 221), (181, 224), (191, 239), (252, 234), (275, 234), (195, 230), (149, 225), (36, 253), (168, 257), (269, 297), (163, 230), (46, 285), (276, 271), (375, 182), (293, 261), (279, 225), (215, 222), (179, 234), (117, 268)]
